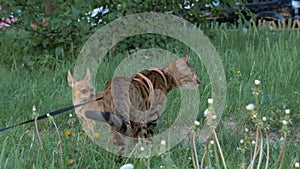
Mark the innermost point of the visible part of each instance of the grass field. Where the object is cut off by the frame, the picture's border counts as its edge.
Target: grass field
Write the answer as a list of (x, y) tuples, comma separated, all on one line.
[(271, 57)]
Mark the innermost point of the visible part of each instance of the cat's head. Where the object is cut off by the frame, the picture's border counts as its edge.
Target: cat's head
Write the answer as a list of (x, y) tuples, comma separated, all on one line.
[(183, 73), (83, 91)]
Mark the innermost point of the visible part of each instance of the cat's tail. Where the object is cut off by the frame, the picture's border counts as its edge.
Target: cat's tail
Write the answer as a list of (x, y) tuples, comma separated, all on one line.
[(116, 122)]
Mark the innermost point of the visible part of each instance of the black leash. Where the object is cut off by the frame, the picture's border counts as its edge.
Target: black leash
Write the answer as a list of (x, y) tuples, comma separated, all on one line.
[(54, 113)]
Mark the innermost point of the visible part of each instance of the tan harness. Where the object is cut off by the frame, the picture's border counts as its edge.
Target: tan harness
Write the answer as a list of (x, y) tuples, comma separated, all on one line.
[(161, 73), (150, 85)]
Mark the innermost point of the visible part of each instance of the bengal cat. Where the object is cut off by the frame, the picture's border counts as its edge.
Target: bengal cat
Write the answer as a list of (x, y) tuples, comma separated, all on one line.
[(132, 106)]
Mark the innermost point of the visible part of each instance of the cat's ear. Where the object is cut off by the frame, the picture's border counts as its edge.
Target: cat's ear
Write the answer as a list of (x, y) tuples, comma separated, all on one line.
[(186, 59), (71, 80), (182, 61), (179, 64), (87, 75)]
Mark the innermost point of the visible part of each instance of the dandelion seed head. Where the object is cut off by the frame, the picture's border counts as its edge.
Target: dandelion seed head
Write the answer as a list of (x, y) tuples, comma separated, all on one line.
[(214, 117), (254, 115), (48, 115), (197, 123), (297, 165), (163, 142), (212, 142), (284, 122), (210, 101), (33, 108), (281, 138), (253, 142), (287, 111), (264, 119), (242, 141), (246, 130), (127, 166), (142, 148), (257, 82), (250, 107), (205, 112), (70, 115)]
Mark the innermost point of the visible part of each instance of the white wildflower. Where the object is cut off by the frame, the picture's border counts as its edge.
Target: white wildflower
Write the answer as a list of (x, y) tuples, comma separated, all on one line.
[(246, 130), (284, 122), (297, 165), (70, 115), (253, 142), (33, 108), (212, 142), (210, 101), (163, 142), (205, 112), (250, 107), (264, 119), (257, 82), (287, 111), (142, 148), (127, 166), (197, 123), (48, 115), (281, 138), (241, 141), (214, 117)]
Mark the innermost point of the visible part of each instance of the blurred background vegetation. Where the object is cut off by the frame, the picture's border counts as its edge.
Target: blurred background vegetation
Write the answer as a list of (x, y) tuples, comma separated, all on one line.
[(43, 33)]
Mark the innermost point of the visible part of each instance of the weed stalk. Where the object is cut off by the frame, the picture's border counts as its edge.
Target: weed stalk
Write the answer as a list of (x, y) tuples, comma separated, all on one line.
[(268, 151), (219, 147), (59, 139), (282, 152), (35, 116), (193, 146)]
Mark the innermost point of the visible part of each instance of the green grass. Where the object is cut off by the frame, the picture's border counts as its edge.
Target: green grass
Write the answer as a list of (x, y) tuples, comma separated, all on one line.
[(270, 57)]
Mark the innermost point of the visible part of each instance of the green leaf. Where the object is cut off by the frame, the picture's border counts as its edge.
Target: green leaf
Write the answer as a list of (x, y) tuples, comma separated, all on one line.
[(58, 51), (31, 63), (74, 10)]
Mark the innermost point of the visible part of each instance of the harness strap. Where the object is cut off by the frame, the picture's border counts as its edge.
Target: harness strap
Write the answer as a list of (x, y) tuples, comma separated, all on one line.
[(161, 73), (150, 85), (141, 81), (54, 113)]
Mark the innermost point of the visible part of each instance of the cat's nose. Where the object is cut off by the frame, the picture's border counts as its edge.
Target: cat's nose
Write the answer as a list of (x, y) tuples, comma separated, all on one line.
[(91, 95), (198, 81)]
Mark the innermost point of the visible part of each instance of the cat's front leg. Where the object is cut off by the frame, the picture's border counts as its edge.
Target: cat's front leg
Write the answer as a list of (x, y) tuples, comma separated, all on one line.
[(115, 121)]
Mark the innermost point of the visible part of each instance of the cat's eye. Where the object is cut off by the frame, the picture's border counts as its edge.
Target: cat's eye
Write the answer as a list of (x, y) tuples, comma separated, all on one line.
[(84, 91), (92, 90)]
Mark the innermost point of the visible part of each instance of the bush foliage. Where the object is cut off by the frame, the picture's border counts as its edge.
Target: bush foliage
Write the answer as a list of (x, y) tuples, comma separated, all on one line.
[(54, 31)]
